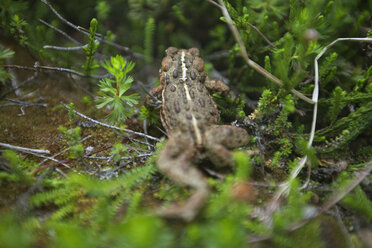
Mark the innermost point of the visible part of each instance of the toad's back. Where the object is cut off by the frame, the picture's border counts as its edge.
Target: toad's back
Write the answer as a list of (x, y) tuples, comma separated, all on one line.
[(187, 105)]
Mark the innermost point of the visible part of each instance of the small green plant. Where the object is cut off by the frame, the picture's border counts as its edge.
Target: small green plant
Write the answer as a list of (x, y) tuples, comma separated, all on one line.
[(91, 48), (87, 100), (273, 111), (103, 9), (358, 201), (178, 13), (4, 54), (18, 171), (111, 92), (71, 113), (231, 109), (17, 26), (118, 151), (337, 105), (73, 137), (149, 114)]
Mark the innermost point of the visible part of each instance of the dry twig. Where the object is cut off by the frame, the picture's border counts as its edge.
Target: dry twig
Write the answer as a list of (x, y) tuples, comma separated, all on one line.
[(262, 35), (50, 68), (110, 126), (24, 149), (60, 31)]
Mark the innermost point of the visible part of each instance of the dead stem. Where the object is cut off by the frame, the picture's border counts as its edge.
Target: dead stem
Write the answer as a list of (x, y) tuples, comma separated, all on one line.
[(112, 127), (24, 149)]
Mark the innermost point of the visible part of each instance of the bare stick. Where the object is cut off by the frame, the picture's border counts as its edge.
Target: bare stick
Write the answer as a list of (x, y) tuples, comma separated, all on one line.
[(59, 31), (261, 34), (63, 151), (21, 203), (24, 149), (61, 17), (50, 68), (75, 48), (218, 55), (21, 103), (250, 62), (112, 127), (31, 78), (214, 3)]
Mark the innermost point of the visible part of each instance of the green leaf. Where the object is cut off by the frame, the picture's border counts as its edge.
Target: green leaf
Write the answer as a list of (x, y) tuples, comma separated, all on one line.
[(5, 53)]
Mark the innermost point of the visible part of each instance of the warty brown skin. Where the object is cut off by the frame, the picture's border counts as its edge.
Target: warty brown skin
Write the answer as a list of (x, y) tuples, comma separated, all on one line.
[(190, 118)]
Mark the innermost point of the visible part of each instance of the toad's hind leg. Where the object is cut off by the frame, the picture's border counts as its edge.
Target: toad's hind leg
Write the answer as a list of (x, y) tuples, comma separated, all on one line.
[(175, 162), (218, 141)]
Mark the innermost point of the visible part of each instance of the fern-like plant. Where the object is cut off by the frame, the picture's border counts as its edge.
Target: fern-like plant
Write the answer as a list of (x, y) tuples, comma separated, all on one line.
[(88, 198), (111, 92)]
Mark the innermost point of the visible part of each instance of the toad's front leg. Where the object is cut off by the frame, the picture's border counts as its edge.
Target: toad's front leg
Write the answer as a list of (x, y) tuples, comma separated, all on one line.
[(175, 162), (153, 99)]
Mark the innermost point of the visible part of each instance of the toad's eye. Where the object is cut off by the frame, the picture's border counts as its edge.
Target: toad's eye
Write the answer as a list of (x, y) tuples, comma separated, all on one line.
[(166, 63)]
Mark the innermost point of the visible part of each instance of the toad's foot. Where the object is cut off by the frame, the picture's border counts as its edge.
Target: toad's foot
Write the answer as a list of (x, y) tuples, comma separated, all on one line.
[(220, 139), (174, 162)]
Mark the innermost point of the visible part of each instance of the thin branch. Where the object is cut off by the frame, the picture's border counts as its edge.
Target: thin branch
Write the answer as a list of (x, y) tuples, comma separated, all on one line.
[(24, 149), (261, 34), (29, 79), (218, 55), (63, 151), (50, 68), (21, 204), (75, 48), (108, 174), (59, 31), (21, 103), (142, 142), (112, 127), (214, 3), (13, 80), (58, 162), (61, 17)]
